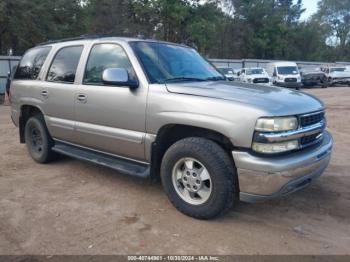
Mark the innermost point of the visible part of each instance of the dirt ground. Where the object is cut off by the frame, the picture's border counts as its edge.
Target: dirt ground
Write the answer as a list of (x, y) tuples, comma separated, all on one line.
[(73, 207)]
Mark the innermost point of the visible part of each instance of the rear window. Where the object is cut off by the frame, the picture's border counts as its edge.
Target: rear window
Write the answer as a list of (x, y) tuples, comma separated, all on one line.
[(31, 63), (65, 64)]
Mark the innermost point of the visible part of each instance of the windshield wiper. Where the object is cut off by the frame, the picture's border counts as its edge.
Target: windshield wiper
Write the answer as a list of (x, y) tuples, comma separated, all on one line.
[(215, 78), (182, 78)]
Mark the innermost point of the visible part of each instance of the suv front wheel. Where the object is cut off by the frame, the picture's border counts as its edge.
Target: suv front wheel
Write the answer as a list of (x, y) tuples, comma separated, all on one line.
[(38, 140), (199, 178)]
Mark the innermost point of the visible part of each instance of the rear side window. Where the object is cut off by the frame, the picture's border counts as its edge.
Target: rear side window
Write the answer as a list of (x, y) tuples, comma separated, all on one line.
[(31, 63), (64, 66)]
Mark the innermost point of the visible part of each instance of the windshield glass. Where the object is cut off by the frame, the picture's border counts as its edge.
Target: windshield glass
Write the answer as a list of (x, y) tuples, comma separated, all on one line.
[(338, 69), (287, 70), (225, 71), (164, 62), (255, 71)]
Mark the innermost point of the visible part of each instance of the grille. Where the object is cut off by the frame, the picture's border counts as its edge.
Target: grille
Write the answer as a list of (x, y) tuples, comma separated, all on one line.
[(290, 80), (307, 140), (312, 119), (260, 80)]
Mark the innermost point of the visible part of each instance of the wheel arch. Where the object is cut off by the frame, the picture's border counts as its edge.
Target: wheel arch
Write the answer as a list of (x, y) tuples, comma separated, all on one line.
[(26, 112), (171, 133)]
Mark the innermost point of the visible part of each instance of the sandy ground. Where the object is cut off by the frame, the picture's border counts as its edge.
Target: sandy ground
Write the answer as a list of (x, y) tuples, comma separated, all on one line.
[(73, 207)]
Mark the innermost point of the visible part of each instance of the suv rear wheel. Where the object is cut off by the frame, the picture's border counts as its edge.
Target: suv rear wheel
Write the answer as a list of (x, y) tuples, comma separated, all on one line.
[(38, 140), (199, 178)]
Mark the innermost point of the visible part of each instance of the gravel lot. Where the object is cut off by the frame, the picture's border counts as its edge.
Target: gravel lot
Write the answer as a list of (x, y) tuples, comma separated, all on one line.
[(73, 207)]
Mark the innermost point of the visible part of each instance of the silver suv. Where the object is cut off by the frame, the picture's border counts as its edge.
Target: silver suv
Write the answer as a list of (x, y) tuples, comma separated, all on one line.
[(159, 110)]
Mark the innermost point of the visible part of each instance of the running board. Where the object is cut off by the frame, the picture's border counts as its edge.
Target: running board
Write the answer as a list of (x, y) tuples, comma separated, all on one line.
[(121, 165)]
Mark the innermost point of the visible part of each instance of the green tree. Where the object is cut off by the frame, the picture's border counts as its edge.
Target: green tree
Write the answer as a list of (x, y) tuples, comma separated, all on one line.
[(335, 15), (24, 23)]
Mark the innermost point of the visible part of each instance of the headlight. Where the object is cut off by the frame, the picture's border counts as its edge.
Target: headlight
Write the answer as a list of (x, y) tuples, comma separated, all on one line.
[(249, 80), (280, 78), (275, 147), (276, 124)]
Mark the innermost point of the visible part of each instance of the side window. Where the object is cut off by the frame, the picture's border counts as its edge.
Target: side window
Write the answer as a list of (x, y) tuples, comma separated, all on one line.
[(64, 65), (104, 56), (31, 63)]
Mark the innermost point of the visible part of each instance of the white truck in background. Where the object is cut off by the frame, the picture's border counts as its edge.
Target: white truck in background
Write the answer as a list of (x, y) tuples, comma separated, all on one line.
[(254, 75), (337, 75), (284, 74)]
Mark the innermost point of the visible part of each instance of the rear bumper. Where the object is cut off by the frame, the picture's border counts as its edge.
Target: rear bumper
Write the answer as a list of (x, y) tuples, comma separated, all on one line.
[(263, 178)]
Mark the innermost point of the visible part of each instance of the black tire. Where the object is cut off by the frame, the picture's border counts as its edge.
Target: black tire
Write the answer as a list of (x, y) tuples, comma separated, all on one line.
[(223, 175), (38, 140)]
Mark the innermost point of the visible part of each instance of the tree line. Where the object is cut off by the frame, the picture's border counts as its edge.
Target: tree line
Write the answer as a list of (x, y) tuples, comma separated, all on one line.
[(263, 29)]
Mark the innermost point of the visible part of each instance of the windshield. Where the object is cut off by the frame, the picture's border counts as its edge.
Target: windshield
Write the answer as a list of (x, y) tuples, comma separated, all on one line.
[(164, 62), (287, 70), (338, 69), (255, 71), (226, 71)]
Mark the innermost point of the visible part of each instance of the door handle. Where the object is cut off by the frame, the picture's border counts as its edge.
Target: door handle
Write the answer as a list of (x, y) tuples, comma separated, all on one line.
[(82, 98), (44, 93)]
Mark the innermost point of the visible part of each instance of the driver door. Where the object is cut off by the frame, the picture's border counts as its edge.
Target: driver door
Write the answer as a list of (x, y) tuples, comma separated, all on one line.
[(110, 118)]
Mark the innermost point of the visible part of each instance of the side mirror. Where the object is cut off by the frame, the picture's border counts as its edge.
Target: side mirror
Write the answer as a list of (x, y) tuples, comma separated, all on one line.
[(118, 77), (274, 74)]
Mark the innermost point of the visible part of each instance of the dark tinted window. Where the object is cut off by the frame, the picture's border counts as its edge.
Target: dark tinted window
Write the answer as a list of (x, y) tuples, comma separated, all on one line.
[(64, 65), (31, 63), (104, 56)]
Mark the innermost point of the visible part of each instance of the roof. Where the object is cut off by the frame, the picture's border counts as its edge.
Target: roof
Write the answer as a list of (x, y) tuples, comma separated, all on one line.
[(105, 38)]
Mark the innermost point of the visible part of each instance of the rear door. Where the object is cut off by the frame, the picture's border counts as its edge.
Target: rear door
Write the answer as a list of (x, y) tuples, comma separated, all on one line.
[(110, 118), (58, 92)]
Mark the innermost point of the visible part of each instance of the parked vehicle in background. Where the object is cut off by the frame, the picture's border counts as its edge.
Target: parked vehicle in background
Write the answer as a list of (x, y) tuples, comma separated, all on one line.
[(284, 74), (337, 75), (311, 77), (159, 110), (254, 75), (228, 72)]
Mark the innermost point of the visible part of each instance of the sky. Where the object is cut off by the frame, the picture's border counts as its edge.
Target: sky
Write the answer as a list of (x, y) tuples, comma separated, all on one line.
[(311, 8)]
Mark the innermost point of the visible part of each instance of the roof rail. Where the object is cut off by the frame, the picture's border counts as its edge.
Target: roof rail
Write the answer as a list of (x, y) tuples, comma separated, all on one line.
[(82, 37)]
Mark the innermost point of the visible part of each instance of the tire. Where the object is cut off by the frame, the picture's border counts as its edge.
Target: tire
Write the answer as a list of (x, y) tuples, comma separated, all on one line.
[(38, 140), (215, 195)]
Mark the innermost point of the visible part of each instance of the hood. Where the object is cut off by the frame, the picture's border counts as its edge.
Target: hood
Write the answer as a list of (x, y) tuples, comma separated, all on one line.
[(312, 73), (290, 76), (258, 76), (273, 100)]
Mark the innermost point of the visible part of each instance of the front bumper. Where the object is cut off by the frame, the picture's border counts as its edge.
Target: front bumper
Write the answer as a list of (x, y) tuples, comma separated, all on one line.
[(289, 84), (263, 178), (343, 81)]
